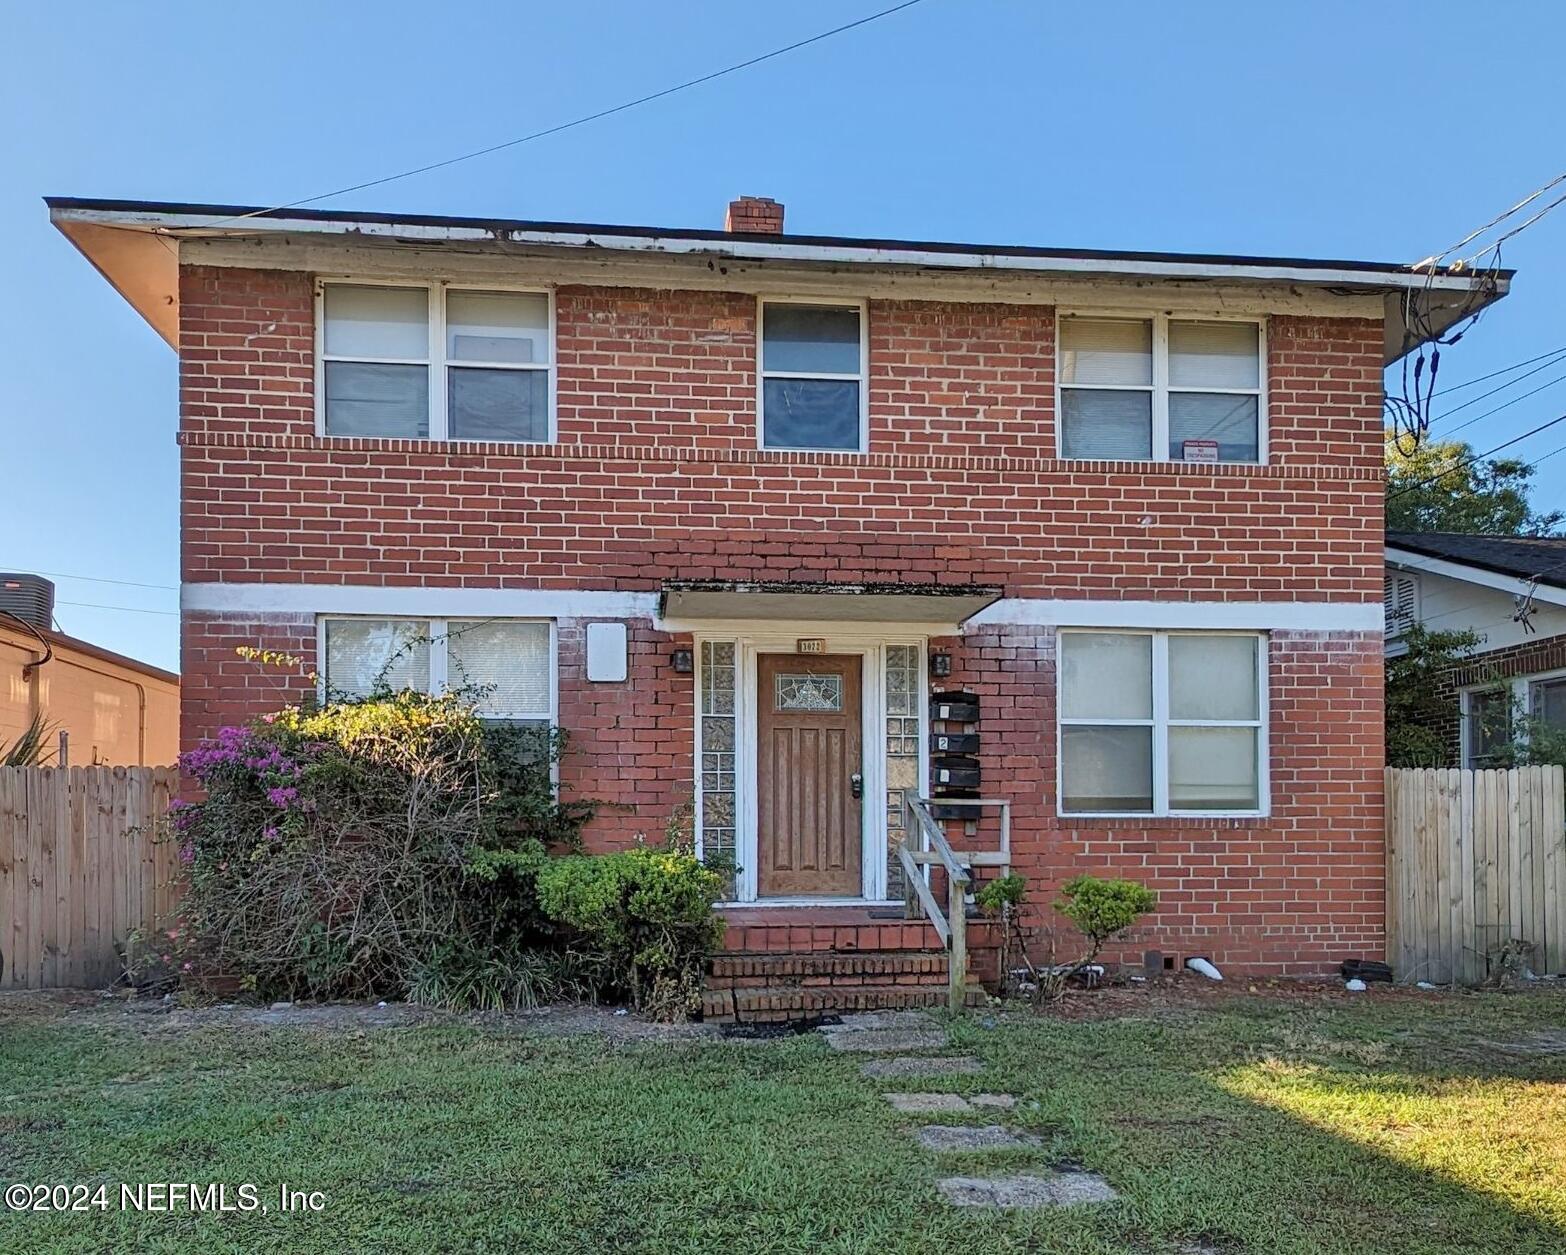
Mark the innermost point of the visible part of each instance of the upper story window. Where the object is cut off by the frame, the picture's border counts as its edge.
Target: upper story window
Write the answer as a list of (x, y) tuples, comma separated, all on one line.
[(1161, 723), (812, 378), (1161, 388), (425, 362), (506, 665)]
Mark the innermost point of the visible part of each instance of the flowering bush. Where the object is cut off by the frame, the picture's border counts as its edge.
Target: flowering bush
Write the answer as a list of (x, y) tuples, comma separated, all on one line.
[(338, 850)]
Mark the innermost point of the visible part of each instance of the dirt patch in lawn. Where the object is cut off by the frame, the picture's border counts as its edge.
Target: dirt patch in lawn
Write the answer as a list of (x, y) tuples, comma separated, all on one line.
[(87, 1009), (1186, 992)]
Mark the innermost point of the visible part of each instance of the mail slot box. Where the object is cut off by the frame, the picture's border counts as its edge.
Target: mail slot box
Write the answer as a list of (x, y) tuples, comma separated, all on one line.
[(954, 742), (954, 707), (937, 811), (956, 772)]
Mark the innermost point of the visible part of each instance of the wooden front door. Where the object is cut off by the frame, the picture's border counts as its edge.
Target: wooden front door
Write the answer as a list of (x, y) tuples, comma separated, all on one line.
[(809, 775)]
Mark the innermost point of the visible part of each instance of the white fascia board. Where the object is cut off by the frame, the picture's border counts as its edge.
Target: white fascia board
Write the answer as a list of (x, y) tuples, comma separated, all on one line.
[(1300, 616), (545, 603), (425, 603), (1516, 585), (782, 251)]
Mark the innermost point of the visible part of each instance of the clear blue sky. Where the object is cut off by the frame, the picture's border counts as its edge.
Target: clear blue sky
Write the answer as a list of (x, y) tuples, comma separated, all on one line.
[(1382, 131)]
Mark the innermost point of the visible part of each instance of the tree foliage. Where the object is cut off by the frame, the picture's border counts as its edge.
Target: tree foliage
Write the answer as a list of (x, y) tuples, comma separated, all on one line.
[(1420, 708), (1439, 487)]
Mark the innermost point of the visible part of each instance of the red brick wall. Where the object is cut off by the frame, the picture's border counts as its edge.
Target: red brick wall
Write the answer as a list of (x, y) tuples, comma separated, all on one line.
[(656, 475), (1291, 893)]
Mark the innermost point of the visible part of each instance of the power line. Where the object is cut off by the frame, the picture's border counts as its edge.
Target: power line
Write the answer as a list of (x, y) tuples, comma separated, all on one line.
[(1556, 352), (100, 579), (575, 122), (93, 605), (1464, 463), (1517, 230), (1469, 422), (1496, 221)]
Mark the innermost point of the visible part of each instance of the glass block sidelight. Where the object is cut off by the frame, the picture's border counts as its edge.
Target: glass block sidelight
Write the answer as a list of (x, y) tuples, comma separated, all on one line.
[(717, 741), (902, 750)]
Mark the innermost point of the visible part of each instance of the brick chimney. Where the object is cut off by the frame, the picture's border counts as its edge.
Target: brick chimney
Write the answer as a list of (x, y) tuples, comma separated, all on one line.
[(754, 215)]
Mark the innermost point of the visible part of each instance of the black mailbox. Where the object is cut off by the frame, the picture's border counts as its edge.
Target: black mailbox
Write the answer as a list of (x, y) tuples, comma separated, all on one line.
[(954, 707), (938, 811), (956, 771), (954, 742)]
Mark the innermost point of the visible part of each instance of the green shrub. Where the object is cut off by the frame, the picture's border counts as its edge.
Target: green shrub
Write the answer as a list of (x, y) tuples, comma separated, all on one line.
[(1102, 908), (645, 915)]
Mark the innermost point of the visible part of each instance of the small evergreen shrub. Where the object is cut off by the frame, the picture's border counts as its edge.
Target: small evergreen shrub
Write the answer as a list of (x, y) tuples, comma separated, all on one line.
[(1102, 909), (645, 916)]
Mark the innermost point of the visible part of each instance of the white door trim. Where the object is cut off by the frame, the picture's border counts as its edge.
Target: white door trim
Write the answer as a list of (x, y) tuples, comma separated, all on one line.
[(870, 647)]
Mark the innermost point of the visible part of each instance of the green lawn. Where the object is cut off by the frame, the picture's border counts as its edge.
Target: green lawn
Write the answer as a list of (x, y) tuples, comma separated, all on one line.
[(1258, 1124)]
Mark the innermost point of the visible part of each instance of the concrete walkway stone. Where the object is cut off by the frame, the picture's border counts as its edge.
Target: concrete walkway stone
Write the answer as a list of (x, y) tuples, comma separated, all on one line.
[(928, 1065), (1064, 1189), (1001, 1102), (919, 1104), (947, 1137), (886, 1040)]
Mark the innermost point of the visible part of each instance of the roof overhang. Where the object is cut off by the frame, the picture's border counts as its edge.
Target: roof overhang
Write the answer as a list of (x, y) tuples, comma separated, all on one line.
[(783, 601), (134, 244), (1511, 584)]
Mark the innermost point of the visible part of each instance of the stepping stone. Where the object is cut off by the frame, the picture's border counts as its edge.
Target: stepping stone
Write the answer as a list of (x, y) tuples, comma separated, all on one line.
[(1002, 1102), (930, 1065), (882, 1019), (919, 1104), (973, 1137), (1064, 1189), (886, 1040)]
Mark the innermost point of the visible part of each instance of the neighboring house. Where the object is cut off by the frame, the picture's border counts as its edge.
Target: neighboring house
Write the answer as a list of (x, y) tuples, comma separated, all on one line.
[(1510, 591), (730, 506), (101, 708)]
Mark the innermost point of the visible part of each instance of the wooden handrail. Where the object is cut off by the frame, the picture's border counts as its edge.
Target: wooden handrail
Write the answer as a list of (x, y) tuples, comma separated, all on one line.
[(952, 927)]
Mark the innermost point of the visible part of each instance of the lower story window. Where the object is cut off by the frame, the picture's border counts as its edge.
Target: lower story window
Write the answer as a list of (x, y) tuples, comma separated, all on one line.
[(1159, 723), (504, 665)]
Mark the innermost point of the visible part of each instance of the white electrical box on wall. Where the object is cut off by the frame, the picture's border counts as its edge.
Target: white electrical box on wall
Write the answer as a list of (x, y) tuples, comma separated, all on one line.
[(606, 650)]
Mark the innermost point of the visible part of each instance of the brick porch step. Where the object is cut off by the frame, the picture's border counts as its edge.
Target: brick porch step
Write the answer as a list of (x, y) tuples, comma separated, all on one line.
[(828, 967), (774, 1004)]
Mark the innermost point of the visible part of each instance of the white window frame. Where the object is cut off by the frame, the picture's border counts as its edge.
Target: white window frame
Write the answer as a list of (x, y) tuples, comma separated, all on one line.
[(1519, 691), (435, 360), (439, 665), (762, 374), (1160, 386), (1160, 722)]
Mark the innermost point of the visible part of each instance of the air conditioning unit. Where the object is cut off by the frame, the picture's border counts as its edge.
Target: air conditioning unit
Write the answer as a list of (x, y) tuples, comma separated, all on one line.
[(28, 597)]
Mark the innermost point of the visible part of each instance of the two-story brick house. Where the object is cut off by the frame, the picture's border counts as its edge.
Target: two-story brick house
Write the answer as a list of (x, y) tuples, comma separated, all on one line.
[(730, 506)]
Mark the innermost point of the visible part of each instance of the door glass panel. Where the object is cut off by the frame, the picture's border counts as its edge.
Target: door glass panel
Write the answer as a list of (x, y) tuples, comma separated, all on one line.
[(808, 692)]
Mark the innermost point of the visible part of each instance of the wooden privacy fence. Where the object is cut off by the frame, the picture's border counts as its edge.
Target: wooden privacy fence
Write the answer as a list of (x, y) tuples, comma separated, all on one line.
[(79, 870), (1476, 861)]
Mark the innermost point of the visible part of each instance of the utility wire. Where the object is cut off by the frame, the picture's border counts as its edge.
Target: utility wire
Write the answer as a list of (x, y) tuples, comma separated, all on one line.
[(575, 122), (100, 579), (93, 605), (1469, 422), (1464, 463), (1557, 352), (1496, 221)]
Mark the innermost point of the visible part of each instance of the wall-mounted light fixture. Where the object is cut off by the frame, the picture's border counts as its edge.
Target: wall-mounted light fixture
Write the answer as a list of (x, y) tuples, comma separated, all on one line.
[(684, 661), (940, 665)]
